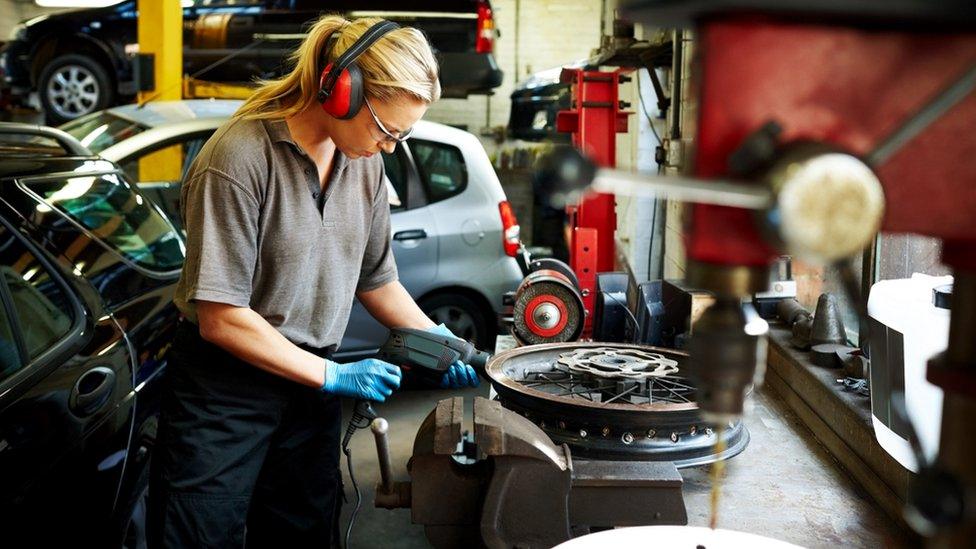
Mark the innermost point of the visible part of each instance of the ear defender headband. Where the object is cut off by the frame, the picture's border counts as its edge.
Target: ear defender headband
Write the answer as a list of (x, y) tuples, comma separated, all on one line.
[(341, 82)]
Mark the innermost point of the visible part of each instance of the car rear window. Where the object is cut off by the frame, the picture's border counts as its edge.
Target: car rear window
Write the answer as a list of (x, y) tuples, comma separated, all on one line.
[(108, 207), (101, 130), (441, 168)]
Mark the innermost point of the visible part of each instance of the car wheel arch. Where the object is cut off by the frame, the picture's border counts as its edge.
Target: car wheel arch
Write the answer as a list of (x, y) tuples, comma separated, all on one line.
[(53, 47), (482, 302)]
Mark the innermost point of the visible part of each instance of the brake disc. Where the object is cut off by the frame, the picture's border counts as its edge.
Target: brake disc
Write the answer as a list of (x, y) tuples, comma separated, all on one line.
[(611, 363)]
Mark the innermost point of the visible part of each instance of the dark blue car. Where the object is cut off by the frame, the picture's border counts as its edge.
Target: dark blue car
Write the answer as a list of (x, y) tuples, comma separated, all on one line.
[(86, 315)]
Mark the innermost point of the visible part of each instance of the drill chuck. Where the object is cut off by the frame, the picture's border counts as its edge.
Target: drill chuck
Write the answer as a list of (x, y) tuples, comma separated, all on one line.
[(727, 345)]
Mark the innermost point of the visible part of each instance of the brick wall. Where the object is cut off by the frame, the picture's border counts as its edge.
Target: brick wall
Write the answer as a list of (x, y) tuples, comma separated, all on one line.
[(535, 35), (635, 216)]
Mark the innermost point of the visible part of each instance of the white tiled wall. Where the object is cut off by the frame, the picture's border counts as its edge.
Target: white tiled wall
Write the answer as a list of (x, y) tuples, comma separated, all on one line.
[(635, 216), (674, 257)]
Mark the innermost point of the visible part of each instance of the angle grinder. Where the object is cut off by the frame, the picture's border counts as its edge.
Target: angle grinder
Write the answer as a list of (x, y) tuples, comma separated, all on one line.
[(427, 355)]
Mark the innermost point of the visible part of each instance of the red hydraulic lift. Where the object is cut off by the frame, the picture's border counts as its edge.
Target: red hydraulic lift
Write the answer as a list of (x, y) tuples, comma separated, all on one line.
[(595, 119)]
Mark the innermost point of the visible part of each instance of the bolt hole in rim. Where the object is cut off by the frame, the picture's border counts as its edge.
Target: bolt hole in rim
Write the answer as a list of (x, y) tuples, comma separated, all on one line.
[(572, 390)]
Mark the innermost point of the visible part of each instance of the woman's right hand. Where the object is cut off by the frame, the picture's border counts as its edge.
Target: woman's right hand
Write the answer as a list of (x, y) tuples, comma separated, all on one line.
[(370, 379)]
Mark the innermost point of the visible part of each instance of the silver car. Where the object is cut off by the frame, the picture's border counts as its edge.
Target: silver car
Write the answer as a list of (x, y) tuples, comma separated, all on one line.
[(454, 234)]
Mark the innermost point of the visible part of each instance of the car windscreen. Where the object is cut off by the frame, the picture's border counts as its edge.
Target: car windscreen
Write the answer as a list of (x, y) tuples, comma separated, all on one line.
[(99, 131), (118, 216)]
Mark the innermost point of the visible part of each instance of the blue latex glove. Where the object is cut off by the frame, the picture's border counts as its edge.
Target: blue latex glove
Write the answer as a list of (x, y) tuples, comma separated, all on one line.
[(459, 374), (370, 379)]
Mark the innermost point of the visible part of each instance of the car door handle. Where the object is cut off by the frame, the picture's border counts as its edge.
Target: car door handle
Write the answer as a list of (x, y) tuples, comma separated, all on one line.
[(415, 234), (91, 391)]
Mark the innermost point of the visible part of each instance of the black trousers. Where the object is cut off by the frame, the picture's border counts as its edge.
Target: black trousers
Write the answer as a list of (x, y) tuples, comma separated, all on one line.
[(241, 455)]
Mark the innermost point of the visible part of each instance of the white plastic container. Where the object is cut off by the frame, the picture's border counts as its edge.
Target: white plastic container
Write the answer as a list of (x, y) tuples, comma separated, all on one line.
[(907, 329)]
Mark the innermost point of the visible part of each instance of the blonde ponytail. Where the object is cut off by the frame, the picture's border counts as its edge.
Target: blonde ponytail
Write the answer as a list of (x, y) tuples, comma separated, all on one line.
[(400, 64)]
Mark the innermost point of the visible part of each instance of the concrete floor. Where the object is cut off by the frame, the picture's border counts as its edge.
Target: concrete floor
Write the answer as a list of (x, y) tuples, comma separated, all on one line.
[(784, 485)]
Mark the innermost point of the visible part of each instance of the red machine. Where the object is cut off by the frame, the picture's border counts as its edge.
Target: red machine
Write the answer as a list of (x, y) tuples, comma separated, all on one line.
[(849, 88), (595, 120), (887, 83)]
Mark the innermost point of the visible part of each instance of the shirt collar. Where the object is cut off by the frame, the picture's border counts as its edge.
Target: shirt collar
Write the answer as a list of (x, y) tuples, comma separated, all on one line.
[(278, 131)]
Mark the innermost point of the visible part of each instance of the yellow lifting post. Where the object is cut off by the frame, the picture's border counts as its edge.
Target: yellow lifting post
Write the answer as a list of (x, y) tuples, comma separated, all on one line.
[(161, 34)]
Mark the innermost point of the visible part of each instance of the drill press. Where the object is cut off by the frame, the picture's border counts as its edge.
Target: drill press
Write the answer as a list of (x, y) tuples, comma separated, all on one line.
[(818, 124)]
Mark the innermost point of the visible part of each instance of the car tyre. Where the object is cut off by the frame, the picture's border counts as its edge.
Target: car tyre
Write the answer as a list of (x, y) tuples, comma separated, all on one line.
[(461, 315), (73, 85)]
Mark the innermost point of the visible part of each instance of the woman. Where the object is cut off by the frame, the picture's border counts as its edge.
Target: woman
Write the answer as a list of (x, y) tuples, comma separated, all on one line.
[(287, 220)]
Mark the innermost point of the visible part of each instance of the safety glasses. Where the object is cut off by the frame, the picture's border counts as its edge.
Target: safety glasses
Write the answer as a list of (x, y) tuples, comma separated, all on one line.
[(388, 136)]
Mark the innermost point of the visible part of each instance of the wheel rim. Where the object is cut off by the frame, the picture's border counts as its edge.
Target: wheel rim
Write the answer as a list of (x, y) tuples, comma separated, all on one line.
[(73, 91), (612, 401), (458, 320)]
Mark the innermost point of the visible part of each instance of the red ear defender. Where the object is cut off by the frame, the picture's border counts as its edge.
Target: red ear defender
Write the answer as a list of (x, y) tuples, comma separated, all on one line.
[(346, 97), (341, 82)]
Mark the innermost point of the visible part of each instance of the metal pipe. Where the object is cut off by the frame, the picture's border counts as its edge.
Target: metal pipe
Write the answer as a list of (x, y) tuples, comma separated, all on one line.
[(686, 189), (677, 49), (380, 428)]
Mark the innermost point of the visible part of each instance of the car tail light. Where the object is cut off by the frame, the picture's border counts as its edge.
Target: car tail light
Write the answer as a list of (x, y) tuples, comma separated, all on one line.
[(510, 228), (485, 40)]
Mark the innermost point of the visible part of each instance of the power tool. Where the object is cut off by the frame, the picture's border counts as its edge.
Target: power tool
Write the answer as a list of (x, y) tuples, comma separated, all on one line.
[(427, 355)]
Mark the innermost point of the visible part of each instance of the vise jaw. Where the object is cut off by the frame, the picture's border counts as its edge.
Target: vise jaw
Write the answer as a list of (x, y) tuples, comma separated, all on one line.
[(509, 485)]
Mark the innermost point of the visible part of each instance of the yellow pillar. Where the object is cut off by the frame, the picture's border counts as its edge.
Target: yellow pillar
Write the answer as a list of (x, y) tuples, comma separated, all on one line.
[(161, 33)]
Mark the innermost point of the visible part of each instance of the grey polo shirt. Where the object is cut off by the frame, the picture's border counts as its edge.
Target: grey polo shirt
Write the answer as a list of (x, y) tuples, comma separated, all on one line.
[(259, 234)]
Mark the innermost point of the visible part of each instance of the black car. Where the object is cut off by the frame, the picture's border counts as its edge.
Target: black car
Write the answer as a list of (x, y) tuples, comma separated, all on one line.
[(535, 103), (78, 61), (89, 269)]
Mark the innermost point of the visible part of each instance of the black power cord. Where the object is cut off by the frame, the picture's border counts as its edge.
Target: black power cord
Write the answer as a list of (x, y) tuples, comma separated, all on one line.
[(627, 309), (362, 415)]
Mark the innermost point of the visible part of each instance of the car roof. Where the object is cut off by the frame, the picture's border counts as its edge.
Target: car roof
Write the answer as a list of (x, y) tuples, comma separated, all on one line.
[(160, 113), (167, 120), (30, 150), (39, 166)]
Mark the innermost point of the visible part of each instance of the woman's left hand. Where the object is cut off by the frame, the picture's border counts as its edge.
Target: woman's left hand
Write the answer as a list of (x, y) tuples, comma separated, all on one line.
[(459, 375)]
